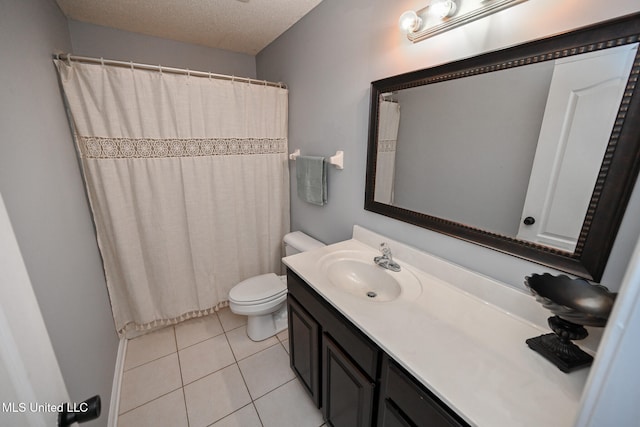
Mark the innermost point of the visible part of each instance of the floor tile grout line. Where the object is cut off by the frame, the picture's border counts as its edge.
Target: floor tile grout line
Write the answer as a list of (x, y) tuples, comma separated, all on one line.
[(200, 342), (186, 411), (239, 370), (255, 408), (253, 354), (269, 391), (179, 362), (210, 373), (184, 397), (152, 400), (146, 363), (280, 386), (203, 340), (234, 412), (157, 358), (286, 348), (233, 329)]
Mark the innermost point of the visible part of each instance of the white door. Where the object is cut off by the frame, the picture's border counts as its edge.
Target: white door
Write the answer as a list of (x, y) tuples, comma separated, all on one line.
[(31, 385), (582, 105), (611, 394)]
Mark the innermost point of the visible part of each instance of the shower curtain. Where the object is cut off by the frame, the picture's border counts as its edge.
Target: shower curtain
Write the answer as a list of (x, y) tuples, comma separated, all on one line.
[(188, 183), (389, 119)]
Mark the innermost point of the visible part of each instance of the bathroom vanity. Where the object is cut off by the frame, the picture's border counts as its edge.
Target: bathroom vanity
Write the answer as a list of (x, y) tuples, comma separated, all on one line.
[(348, 375), (435, 345)]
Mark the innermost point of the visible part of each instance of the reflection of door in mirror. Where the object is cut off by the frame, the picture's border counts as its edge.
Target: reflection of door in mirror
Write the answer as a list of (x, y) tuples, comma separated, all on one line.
[(573, 138), (466, 146), (389, 121)]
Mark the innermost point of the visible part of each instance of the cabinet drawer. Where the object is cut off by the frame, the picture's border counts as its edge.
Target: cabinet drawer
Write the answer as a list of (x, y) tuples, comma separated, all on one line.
[(359, 347), (406, 401)]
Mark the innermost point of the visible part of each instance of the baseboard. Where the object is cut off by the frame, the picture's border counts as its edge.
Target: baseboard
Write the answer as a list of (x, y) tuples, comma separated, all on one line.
[(114, 405)]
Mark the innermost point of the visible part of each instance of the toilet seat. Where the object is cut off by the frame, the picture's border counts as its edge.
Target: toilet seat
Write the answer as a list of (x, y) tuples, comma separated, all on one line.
[(258, 290)]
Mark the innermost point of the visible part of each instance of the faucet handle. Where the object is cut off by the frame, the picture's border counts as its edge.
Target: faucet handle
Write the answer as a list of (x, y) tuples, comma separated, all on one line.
[(385, 249)]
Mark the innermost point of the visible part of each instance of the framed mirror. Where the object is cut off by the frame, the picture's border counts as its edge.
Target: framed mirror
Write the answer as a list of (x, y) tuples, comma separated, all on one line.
[(533, 150)]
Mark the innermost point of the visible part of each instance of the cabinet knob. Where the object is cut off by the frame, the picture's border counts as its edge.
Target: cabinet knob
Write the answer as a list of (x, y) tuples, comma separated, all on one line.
[(529, 220)]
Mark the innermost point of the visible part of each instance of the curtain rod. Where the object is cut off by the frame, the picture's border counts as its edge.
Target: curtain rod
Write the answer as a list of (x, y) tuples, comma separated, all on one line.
[(160, 68)]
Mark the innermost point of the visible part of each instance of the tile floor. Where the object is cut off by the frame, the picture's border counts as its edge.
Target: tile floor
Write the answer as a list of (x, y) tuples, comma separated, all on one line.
[(207, 372)]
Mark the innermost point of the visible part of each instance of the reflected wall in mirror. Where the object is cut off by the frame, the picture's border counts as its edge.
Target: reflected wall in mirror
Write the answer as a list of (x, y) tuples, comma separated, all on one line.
[(531, 150)]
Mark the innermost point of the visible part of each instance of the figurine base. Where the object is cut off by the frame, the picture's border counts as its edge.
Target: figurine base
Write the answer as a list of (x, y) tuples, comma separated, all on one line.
[(567, 356)]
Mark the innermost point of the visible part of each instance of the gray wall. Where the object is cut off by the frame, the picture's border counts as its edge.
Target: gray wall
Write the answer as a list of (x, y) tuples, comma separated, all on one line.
[(474, 138), (328, 60), (43, 190), (109, 43)]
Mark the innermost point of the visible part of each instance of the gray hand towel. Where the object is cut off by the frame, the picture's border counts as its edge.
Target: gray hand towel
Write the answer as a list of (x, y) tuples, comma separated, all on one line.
[(311, 177)]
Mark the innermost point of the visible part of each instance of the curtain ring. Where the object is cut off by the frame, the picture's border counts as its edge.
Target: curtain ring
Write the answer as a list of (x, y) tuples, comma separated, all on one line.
[(233, 78), (188, 73), (160, 69), (131, 63), (69, 59), (102, 61), (210, 75)]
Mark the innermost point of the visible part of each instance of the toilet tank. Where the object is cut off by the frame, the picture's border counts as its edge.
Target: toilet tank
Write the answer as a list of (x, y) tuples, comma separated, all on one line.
[(297, 242)]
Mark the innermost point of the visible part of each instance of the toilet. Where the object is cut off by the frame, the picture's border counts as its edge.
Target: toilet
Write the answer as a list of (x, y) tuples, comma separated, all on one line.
[(263, 298)]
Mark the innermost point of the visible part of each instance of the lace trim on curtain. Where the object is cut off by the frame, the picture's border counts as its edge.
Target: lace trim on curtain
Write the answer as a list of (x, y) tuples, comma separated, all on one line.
[(96, 147), (386, 145), (158, 323)]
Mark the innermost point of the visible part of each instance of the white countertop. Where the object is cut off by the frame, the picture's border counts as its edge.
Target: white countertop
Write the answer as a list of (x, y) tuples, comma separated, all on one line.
[(463, 338)]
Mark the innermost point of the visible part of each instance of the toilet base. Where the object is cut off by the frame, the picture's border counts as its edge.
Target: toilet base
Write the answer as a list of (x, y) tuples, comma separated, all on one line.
[(261, 327)]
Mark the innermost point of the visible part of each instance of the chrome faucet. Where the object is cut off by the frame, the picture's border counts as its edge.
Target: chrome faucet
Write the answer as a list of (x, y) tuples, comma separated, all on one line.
[(386, 260)]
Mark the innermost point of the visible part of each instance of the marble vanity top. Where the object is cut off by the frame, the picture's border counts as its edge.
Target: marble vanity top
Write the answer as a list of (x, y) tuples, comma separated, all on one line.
[(463, 337)]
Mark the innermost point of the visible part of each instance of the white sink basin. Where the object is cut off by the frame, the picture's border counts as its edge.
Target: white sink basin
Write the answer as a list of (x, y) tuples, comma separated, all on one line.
[(355, 273)]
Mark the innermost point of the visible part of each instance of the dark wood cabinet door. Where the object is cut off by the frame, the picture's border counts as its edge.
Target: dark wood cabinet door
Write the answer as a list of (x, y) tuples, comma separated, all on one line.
[(304, 348), (391, 416), (404, 402), (347, 391)]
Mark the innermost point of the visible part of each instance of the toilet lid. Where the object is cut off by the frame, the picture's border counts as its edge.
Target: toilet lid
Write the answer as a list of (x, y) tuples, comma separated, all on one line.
[(265, 286)]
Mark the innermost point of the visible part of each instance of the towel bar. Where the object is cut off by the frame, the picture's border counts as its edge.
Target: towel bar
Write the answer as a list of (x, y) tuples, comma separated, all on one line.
[(337, 160)]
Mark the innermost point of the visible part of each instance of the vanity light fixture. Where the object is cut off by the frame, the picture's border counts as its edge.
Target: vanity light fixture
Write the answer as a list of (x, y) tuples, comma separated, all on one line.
[(409, 22), (442, 15), (443, 8)]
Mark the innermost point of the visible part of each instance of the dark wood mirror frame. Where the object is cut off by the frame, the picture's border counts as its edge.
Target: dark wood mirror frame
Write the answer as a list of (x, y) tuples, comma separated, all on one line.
[(618, 171)]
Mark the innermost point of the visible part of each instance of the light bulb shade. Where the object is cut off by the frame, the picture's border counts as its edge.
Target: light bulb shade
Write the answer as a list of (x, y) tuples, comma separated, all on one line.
[(443, 8), (409, 22)]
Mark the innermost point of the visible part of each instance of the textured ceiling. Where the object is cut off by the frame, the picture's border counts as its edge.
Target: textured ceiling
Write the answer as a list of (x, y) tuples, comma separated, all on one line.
[(245, 26)]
